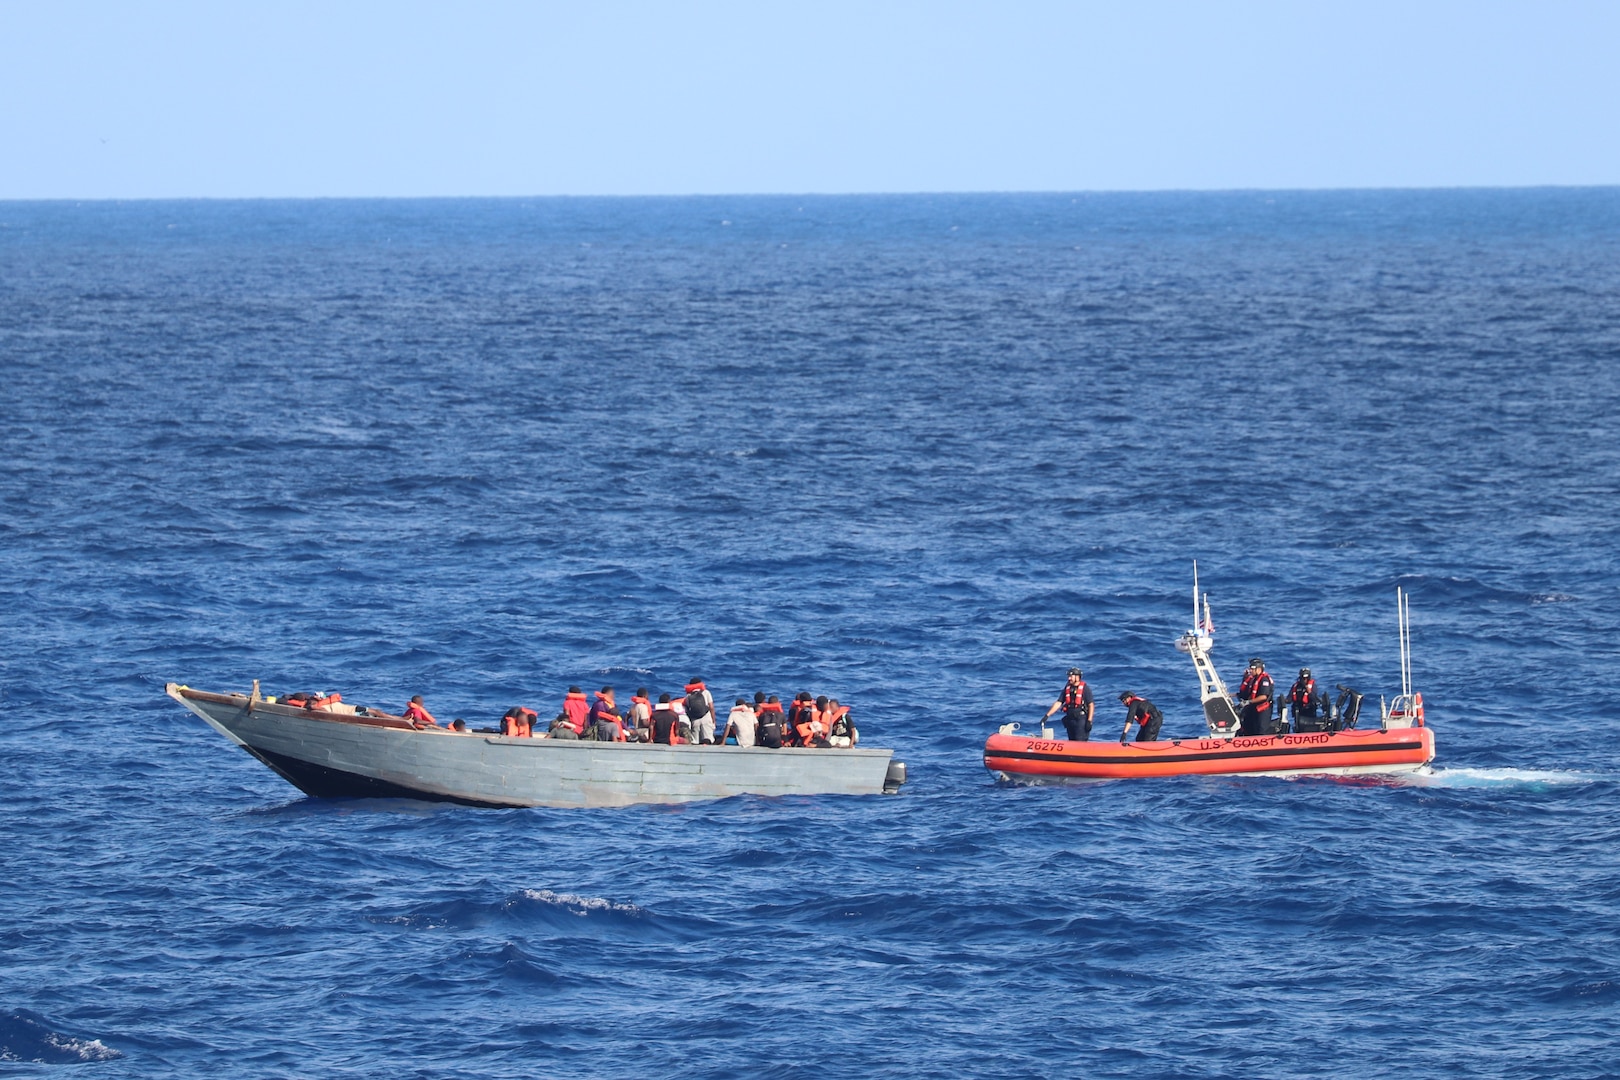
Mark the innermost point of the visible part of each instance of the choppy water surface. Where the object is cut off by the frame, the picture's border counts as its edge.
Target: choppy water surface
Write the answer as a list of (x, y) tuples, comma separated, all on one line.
[(923, 453)]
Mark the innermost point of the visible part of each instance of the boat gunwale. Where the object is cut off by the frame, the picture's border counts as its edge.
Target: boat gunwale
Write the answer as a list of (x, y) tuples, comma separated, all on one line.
[(372, 718), (1397, 749)]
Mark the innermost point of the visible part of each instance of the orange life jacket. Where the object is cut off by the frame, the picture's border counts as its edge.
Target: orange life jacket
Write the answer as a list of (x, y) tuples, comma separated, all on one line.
[(1073, 697), (1249, 689), (577, 709)]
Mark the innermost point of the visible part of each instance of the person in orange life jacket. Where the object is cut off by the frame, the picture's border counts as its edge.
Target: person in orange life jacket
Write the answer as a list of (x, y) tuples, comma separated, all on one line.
[(1302, 695), (459, 726), (700, 711), (641, 715), (811, 727), (772, 725), (605, 721), (1144, 714), (807, 714), (740, 725), (802, 704), (576, 711), (666, 723), (1078, 707), (840, 726), (417, 713), (1254, 694), (826, 707), (519, 722)]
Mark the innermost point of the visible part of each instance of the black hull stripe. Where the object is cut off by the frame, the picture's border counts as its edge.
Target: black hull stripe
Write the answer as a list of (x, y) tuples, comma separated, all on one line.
[(1217, 755), (321, 782)]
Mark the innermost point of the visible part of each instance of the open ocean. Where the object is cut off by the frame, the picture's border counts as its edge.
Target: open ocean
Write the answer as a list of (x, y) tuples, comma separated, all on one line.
[(920, 452)]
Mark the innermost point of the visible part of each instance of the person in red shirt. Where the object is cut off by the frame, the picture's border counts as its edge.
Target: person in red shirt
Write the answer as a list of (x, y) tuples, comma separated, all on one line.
[(417, 713)]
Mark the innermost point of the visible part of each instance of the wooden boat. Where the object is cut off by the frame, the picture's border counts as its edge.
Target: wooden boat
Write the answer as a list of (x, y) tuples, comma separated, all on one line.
[(356, 752), (1401, 743)]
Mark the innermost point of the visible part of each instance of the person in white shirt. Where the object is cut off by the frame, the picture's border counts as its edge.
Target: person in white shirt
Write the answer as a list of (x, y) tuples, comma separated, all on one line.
[(700, 711), (740, 724)]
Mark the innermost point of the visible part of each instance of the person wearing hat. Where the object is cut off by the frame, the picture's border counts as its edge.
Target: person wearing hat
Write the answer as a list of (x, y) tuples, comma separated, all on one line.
[(1143, 713), (1302, 696), (1254, 694), (1078, 708)]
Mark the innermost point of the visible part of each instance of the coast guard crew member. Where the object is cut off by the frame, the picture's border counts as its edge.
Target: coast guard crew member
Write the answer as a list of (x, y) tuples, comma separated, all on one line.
[(1142, 712), (1078, 708), (1254, 694)]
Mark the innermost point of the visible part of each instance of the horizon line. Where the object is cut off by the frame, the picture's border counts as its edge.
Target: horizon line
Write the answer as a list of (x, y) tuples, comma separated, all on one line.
[(814, 194)]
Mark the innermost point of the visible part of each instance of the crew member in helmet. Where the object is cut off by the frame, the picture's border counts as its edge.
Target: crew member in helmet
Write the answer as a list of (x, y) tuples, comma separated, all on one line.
[(1302, 695), (1254, 694), (1143, 713), (1078, 708)]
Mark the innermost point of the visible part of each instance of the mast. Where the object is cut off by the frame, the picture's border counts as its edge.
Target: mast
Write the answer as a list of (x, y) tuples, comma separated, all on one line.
[(1195, 594), (1219, 710)]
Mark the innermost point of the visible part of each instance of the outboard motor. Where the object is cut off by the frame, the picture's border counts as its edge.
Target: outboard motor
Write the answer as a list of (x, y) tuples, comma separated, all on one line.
[(1348, 707), (1323, 718)]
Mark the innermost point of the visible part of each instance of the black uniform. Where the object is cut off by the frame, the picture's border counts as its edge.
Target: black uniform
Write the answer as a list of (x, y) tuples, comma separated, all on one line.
[(1258, 690), (1077, 710), (1302, 696), (1146, 714)]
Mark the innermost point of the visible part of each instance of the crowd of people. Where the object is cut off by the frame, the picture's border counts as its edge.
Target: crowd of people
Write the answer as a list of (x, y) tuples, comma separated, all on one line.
[(1258, 703), (677, 719)]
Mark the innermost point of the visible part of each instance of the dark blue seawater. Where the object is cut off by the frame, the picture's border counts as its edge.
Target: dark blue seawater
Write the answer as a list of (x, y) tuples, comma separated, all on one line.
[(923, 453)]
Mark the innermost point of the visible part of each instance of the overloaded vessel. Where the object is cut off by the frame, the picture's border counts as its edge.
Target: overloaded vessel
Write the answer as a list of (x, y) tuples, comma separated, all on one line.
[(1402, 742), (346, 751)]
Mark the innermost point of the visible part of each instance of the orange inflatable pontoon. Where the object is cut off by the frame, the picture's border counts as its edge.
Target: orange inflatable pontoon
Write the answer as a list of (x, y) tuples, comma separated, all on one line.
[(1338, 752)]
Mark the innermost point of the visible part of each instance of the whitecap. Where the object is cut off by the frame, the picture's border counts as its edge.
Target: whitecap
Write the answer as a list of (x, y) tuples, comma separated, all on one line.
[(580, 905), (24, 1037)]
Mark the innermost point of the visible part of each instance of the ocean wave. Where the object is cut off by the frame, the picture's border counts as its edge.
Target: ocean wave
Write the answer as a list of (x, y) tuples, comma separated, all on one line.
[(26, 1037), (582, 906)]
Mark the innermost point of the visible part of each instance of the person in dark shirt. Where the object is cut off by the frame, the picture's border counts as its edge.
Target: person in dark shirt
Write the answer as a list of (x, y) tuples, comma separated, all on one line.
[(665, 723), (1143, 713), (1302, 695), (772, 724), (1078, 707), (1255, 695), (604, 717)]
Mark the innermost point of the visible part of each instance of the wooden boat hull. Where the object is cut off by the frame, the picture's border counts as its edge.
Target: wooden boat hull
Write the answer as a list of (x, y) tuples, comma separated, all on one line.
[(1343, 753), (375, 755)]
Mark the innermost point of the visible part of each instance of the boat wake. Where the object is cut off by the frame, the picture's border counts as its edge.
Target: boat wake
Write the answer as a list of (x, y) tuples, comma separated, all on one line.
[(1496, 778)]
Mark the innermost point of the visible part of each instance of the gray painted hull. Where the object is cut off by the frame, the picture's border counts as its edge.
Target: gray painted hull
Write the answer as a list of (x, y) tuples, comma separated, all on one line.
[(377, 755)]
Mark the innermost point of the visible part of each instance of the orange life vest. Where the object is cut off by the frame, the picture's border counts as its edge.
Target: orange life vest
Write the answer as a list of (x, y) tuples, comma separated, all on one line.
[(577, 709), (1073, 697)]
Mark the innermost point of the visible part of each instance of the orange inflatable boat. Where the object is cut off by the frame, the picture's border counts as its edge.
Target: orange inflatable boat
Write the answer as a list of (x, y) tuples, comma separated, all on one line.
[(1402, 742), (1340, 752)]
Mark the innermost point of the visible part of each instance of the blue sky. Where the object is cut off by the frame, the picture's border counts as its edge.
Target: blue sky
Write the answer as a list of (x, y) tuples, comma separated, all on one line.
[(169, 99)]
